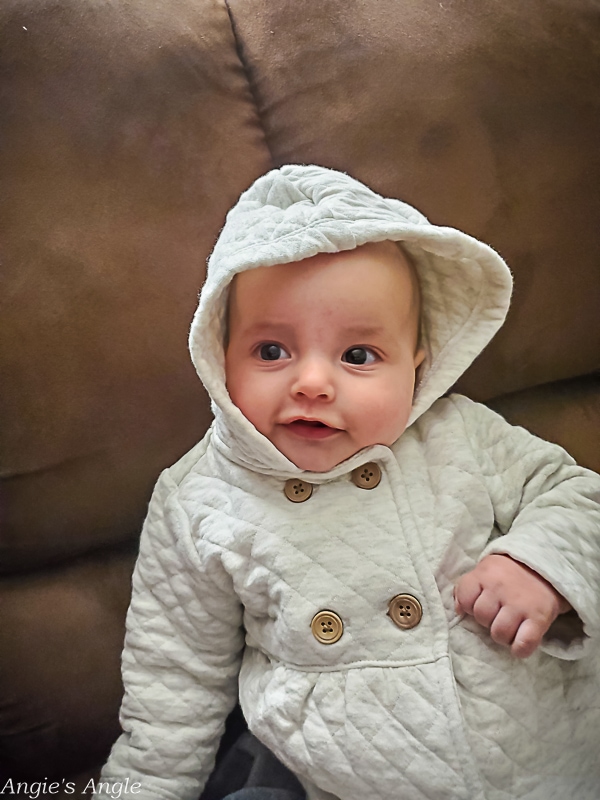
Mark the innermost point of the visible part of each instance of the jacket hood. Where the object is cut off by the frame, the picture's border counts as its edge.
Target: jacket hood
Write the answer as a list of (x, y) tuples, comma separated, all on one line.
[(295, 212)]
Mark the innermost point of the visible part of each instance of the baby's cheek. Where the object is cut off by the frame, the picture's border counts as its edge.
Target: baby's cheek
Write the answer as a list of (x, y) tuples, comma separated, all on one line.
[(388, 416), (246, 395)]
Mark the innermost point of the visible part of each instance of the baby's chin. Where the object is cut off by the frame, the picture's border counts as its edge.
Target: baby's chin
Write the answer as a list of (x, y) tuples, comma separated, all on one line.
[(315, 466), (315, 461), (320, 456)]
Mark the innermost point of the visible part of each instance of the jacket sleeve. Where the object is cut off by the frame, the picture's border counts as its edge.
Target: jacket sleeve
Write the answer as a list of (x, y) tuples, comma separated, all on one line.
[(180, 663), (547, 509)]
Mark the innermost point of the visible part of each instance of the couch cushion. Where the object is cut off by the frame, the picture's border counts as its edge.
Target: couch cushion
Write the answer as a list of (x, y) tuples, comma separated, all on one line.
[(60, 688), (128, 129)]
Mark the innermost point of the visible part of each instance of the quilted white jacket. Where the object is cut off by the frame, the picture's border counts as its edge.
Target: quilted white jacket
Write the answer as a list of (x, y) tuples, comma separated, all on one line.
[(231, 573)]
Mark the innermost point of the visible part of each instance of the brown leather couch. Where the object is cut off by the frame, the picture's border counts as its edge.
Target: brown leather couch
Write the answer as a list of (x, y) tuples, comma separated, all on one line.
[(127, 130)]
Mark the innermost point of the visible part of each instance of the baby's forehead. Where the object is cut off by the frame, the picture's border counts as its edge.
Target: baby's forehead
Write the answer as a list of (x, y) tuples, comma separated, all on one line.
[(378, 278)]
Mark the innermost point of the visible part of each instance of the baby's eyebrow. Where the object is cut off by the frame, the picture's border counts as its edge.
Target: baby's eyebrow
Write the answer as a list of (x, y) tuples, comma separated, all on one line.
[(266, 326), (363, 331)]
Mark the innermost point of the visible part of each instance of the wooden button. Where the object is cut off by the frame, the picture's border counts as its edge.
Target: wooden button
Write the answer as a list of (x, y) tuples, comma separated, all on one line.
[(327, 627), (297, 491), (367, 476), (405, 611)]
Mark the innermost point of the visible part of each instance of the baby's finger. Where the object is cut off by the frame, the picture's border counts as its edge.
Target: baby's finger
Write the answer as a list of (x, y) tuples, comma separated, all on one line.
[(505, 625), (527, 639), (486, 608), (466, 592)]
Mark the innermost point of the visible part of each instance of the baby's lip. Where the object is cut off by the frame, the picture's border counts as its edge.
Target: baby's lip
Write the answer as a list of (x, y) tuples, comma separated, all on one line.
[(309, 428)]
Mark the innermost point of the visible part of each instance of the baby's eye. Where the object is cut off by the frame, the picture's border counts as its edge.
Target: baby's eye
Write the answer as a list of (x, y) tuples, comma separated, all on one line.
[(272, 352), (358, 356)]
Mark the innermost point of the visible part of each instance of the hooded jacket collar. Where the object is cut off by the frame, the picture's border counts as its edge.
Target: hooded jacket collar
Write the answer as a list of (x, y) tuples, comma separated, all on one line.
[(295, 212)]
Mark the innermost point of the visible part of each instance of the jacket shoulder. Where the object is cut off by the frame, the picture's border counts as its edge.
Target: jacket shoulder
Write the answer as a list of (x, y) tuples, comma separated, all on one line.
[(188, 463)]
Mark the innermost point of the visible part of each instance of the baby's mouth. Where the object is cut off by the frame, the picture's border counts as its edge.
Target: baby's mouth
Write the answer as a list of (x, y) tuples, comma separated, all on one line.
[(311, 428)]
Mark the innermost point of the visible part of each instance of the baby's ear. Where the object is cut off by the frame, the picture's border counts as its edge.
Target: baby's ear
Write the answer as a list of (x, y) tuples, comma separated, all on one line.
[(420, 362), (419, 357)]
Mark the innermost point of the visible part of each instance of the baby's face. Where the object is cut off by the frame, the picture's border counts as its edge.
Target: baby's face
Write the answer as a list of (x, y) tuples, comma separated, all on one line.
[(322, 353)]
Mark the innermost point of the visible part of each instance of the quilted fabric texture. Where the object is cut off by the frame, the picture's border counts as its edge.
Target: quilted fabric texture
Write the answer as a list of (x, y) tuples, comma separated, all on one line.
[(230, 573)]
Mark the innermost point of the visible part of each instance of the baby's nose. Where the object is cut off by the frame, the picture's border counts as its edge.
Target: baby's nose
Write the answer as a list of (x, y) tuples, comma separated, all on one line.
[(314, 380)]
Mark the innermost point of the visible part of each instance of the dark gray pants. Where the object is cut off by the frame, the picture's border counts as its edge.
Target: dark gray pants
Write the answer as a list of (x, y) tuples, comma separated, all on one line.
[(263, 794), (247, 770)]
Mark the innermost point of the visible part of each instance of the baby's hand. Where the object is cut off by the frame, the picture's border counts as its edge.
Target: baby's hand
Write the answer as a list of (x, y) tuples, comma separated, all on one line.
[(513, 601)]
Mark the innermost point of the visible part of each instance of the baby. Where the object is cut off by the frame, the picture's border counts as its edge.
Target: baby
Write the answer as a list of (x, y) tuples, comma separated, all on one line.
[(322, 360), (382, 572)]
